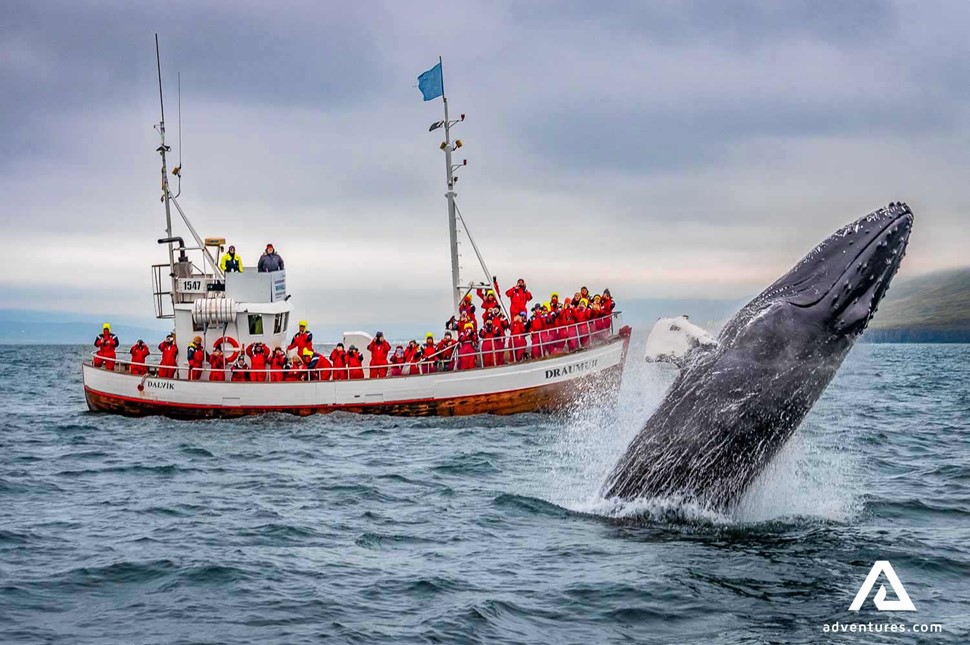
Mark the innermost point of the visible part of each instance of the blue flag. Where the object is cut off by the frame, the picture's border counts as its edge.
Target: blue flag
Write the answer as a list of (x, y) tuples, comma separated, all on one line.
[(430, 83)]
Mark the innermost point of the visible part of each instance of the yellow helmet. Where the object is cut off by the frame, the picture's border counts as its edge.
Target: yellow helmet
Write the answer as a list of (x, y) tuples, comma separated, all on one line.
[(302, 323), (490, 292), (553, 295), (546, 305), (430, 335), (307, 351), (106, 326), (583, 301)]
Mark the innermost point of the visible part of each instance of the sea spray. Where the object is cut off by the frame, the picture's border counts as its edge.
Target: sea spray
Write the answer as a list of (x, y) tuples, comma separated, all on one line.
[(595, 431), (810, 477)]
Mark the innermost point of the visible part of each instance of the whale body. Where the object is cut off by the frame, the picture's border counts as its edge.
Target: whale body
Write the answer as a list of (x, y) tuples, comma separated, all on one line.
[(736, 402)]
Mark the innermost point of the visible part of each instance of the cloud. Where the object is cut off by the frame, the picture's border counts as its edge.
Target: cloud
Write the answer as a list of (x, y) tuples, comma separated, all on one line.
[(663, 149)]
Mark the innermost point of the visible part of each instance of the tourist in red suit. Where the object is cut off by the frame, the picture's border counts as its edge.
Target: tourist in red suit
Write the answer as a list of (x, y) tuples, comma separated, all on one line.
[(315, 365), (106, 344), (355, 363), (258, 355), (500, 326), (139, 352), (489, 301), (414, 359), (338, 357), (520, 297), (550, 332), (518, 341), (554, 301), (170, 356), (217, 365), (445, 353), (607, 302), (277, 361), (239, 370), (567, 326), (466, 306), (301, 340), (487, 334), (467, 348), (296, 371), (582, 317), (196, 356), (397, 361), (597, 320), (409, 353), (537, 325), (428, 354), (379, 349)]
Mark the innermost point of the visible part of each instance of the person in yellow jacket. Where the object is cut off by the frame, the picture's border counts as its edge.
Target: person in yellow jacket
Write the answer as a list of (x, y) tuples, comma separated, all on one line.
[(230, 262)]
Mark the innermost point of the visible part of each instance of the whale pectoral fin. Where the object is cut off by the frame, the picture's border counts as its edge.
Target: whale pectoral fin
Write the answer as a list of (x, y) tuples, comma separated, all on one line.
[(671, 339)]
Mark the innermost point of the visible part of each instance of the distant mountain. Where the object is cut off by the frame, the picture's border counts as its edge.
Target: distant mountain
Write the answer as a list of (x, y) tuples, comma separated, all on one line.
[(930, 308)]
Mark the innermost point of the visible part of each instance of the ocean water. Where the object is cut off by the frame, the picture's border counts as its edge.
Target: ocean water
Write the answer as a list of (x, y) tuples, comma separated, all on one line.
[(342, 528)]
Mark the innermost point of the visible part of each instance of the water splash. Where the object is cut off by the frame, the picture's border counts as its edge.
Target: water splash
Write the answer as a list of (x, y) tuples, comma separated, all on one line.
[(809, 478)]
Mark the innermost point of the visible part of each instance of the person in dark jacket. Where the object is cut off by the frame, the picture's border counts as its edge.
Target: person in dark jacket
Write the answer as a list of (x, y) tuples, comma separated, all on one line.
[(270, 260)]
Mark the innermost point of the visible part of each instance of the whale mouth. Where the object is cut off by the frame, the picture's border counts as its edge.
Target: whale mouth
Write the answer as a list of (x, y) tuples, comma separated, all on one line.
[(856, 295), (855, 290)]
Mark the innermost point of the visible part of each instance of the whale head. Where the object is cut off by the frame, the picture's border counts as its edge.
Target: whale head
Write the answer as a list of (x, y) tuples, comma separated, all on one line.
[(835, 290)]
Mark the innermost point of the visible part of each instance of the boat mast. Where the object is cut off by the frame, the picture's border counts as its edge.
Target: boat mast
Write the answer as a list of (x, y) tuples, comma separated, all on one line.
[(450, 196), (162, 149)]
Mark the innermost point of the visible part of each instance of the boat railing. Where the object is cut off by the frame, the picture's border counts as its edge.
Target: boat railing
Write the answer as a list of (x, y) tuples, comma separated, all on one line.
[(506, 352)]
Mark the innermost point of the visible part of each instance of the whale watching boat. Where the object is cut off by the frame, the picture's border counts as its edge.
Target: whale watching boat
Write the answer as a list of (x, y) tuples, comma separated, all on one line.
[(233, 310)]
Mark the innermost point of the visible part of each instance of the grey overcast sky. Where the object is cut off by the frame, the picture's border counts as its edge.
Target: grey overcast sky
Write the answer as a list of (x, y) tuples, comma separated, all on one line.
[(663, 149)]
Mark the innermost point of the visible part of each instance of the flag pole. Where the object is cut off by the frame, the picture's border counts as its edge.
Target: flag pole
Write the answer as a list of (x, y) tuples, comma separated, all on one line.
[(450, 196)]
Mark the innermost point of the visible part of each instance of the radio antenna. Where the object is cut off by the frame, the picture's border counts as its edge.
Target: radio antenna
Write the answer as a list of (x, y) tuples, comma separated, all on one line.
[(177, 171)]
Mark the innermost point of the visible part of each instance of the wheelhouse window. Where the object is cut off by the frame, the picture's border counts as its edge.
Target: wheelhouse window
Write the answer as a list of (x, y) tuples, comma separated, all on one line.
[(278, 324), (255, 325)]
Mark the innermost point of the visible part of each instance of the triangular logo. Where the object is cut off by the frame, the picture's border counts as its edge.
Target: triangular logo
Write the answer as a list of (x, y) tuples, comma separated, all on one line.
[(903, 603)]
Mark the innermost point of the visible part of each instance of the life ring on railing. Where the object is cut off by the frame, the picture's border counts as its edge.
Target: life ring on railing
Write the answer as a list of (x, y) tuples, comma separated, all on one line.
[(232, 341)]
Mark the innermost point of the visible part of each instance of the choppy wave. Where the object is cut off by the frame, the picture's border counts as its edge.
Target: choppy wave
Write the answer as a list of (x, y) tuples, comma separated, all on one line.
[(280, 529)]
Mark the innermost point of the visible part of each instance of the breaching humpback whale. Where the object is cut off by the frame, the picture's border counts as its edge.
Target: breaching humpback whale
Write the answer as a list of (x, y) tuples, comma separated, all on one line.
[(738, 400)]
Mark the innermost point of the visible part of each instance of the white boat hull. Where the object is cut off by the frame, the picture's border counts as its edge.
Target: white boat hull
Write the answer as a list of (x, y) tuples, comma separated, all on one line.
[(530, 386)]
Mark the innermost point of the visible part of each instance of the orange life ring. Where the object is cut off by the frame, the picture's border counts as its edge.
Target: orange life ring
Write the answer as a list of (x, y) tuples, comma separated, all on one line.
[(232, 341)]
